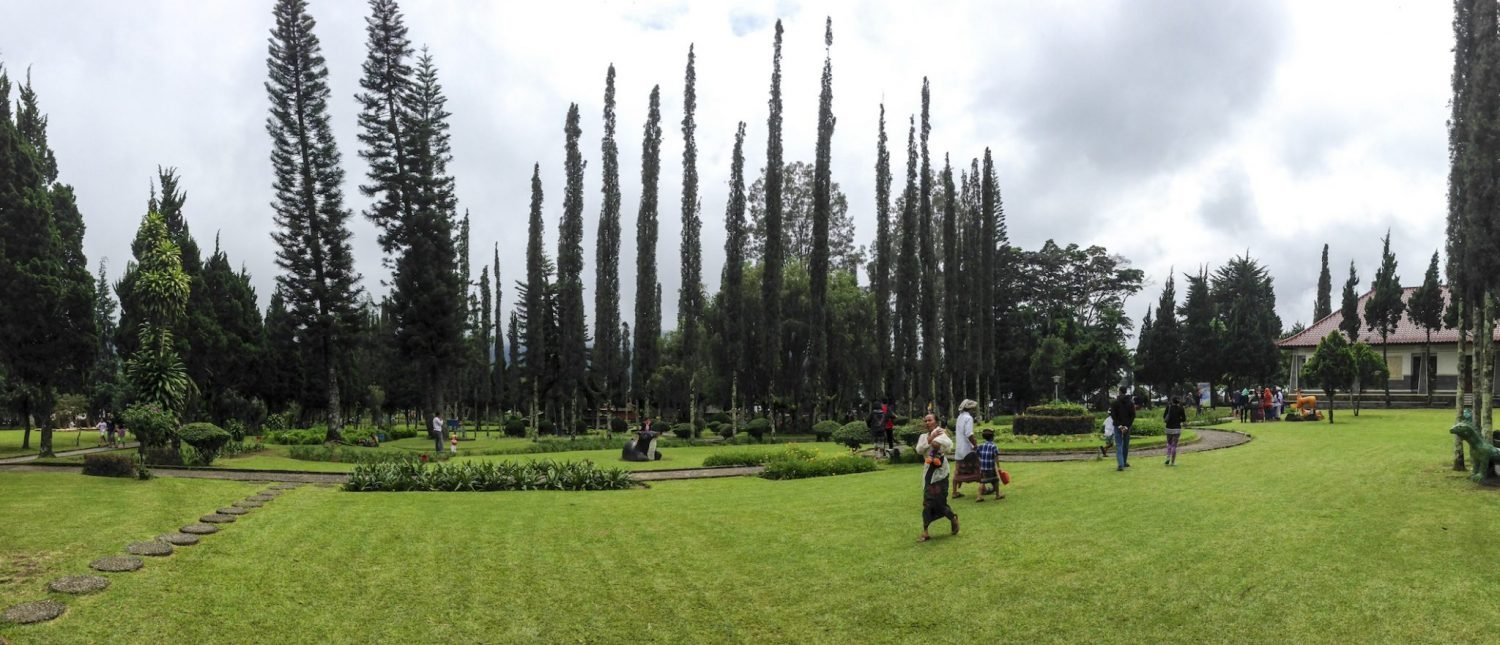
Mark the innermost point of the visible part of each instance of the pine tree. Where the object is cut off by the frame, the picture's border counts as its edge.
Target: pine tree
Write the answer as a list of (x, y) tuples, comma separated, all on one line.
[(535, 300), (428, 294), (499, 376), (770, 286), (1200, 338), (950, 275), (734, 336), (486, 342), (1479, 231), (1425, 309), (880, 282), (1166, 356), (608, 371), (822, 189), (312, 236), (1350, 309), (573, 343), (1384, 308), (383, 117), (929, 313), (282, 377), (235, 345), (992, 275), (1459, 283), (513, 362), (647, 314), (626, 358), (908, 276), (690, 293), (1323, 306), (105, 375)]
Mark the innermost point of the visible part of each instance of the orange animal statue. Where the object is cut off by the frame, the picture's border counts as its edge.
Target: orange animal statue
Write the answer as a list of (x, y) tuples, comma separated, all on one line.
[(1306, 406)]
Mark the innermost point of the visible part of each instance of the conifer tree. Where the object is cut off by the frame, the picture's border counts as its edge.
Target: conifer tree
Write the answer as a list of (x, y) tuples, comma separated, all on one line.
[(647, 313), (880, 281), (573, 342), (387, 83), (235, 345), (992, 276), (928, 377), (535, 300), (908, 276), (1166, 357), (1350, 309), (1425, 309), (822, 189), (282, 377), (486, 388), (734, 336), (626, 358), (770, 286), (1384, 308), (608, 371), (105, 374), (1323, 306), (951, 276), (690, 293), (312, 233), (1200, 338), (499, 376), (513, 362)]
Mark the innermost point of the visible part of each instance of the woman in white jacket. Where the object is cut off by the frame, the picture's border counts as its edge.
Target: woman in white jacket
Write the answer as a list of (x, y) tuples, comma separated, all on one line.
[(933, 446)]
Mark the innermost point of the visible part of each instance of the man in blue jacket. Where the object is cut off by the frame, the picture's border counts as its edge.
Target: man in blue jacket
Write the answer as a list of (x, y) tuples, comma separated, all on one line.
[(1123, 412)]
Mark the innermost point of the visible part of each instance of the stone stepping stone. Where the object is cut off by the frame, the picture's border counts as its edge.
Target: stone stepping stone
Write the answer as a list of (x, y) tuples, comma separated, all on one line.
[(152, 548), (249, 504), (199, 529), (79, 584), (232, 510), (178, 539), (34, 612), (260, 498), (216, 518), (116, 564)]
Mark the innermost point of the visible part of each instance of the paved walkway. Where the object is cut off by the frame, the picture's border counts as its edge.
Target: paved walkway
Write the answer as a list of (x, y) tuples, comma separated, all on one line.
[(1207, 440), (68, 453)]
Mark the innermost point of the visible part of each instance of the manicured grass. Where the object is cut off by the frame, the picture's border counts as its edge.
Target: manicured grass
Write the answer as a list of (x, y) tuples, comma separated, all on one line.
[(10, 441), (274, 458), (1355, 532)]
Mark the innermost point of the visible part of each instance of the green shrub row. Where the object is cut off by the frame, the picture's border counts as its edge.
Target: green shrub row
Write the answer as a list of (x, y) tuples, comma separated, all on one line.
[(1057, 409), (351, 455), (109, 465), (296, 437), (816, 467), (1047, 425), (487, 476), (757, 457)]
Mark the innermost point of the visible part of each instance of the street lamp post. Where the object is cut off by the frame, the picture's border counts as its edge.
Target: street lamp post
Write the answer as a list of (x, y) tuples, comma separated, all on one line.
[(1056, 383)]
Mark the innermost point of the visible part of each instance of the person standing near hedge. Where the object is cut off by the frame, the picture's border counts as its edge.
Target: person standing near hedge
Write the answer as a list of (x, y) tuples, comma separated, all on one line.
[(933, 446), (964, 455), (437, 431), (1174, 417), (1123, 412)]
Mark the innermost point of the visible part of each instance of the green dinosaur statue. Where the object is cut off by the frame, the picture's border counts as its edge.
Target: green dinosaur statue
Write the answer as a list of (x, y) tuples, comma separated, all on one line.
[(1483, 453)]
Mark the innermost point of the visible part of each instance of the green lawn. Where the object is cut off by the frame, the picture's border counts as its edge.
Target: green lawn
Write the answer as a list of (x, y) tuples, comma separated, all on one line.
[(275, 458), (1355, 532), (10, 441)]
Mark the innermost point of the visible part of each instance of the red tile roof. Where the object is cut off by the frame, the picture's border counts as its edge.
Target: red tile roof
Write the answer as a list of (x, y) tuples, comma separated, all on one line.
[(1406, 333)]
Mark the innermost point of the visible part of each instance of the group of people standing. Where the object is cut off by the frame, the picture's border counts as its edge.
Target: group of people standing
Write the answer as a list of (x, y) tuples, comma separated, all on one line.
[(975, 461), (111, 433), (1252, 405)]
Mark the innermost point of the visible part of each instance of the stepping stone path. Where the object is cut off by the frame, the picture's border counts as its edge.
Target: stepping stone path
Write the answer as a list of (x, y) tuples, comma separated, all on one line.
[(79, 584), (249, 504), (217, 518), (286, 486), (34, 612), (260, 498), (232, 510), (200, 529), (178, 539), (152, 548), (117, 564)]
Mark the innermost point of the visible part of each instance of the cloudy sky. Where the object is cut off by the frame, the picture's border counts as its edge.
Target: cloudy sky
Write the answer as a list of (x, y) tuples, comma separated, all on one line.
[(1174, 132)]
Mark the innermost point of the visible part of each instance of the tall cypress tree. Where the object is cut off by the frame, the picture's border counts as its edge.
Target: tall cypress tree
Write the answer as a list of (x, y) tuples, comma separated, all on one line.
[(880, 282), (282, 377), (647, 313), (908, 275), (312, 236), (950, 282), (1350, 309), (513, 362), (608, 371), (927, 381), (1425, 309), (535, 299), (734, 335), (1323, 306), (105, 374), (573, 343), (770, 286), (992, 306), (428, 295), (690, 293), (1200, 339), (1384, 308), (498, 376), (236, 342), (387, 82), (486, 343), (1166, 341), (822, 189)]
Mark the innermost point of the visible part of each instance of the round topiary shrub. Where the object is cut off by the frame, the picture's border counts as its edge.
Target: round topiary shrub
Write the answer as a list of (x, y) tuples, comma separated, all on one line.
[(726, 430), (515, 427), (823, 430), (546, 427), (851, 434), (683, 430), (206, 438), (909, 434), (1055, 418), (719, 417), (616, 424), (758, 427)]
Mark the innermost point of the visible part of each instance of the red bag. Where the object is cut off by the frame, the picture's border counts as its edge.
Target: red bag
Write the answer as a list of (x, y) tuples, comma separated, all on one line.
[(1005, 478)]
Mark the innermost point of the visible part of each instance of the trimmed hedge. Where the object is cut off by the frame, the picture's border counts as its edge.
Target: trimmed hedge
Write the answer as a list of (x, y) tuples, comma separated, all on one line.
[(817, 467), (823, 430), (852, 434), (683, 431), (109, 465), (758, 427), (616, 424), (909, 434), (1053, 424), (296, 437), (515, 428), (206, 438), (1057, 409), (487, 476)]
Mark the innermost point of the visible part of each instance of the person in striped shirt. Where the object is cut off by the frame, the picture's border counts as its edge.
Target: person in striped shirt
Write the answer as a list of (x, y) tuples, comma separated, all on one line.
[(989, 467)]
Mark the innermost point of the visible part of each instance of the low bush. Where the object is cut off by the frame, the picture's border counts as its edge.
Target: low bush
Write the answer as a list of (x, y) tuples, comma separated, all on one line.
[(758, 427), (237, 448), (1057, 409), (350, 455), (909, 434), (852, 435), (236, 429), (206, 439), (823, 430), (616, 424), (816, 467), (1048, 424), (164, 456), (487, 476), (400, 432), (756, 457), (296, 437), (109, 465), (546, 428), (515, 428), (726, 430), (152, 425), (278, 422), (580, 427), (683, 431)]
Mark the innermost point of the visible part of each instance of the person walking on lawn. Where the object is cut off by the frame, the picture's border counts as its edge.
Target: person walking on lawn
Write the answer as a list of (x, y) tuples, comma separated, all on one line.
[(933, 446), (1123, 412), (964, 455), (1175, 417)]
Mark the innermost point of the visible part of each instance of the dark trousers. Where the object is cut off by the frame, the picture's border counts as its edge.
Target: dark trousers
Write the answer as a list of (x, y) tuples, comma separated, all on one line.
[(437, 441)]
